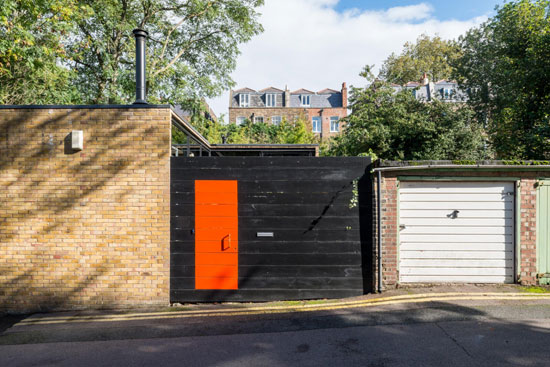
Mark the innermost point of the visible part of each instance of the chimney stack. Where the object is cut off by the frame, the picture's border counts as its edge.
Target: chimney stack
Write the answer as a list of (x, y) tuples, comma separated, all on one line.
[(286, 97), (140, 35), (344, 95)]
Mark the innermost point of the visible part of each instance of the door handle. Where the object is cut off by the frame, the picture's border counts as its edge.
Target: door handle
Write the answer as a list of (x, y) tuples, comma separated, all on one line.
[(454, 214), (228, 237)]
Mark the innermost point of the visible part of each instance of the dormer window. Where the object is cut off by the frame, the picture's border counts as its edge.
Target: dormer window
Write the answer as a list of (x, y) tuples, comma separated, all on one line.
[(447, 93), (244, 100), (304, 100), (270, 100)]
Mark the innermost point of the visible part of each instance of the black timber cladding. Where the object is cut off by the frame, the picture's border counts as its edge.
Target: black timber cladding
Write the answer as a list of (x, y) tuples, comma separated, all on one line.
[(319, 210)]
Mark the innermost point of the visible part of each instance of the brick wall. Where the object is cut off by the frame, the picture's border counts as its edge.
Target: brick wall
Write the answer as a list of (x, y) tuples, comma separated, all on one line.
[(326, 114), (84, 229), (291, 114), (527, 273)]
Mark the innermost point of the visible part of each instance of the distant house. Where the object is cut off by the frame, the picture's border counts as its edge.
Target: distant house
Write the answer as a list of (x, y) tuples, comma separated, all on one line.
[(443, 90), (322, 110)]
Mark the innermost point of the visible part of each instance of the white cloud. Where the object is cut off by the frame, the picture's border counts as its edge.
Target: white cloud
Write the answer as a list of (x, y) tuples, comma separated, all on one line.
[(307, 43)]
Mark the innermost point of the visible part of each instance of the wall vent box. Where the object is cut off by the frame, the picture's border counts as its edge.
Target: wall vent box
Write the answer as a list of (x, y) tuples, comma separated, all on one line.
[(77, 140)]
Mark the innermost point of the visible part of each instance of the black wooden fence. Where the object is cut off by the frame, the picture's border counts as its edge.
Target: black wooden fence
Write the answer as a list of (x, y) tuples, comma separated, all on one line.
[(318, 209)]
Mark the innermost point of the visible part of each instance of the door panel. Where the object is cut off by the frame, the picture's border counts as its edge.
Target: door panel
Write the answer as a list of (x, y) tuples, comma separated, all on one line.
[(216, 235), (456, 231)]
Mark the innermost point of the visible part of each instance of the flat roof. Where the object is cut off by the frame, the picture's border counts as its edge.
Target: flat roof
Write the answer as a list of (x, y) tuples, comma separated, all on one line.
[(517, 165)]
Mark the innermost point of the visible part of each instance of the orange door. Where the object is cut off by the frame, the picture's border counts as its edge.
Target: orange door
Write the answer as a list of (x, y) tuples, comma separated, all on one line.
[(216, 235)]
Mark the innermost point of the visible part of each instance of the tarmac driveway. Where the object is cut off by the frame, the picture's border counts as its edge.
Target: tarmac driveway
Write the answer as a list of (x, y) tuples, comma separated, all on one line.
[(418, 327)]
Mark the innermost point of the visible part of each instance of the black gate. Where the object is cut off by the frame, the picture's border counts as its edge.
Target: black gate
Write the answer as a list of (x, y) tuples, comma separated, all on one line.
[(304, 227)]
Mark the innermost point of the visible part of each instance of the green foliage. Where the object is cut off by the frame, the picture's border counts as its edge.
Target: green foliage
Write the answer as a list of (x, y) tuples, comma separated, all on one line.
[(504, 66), (263, 133), (82, 51), (192, 47), (250, 133), (31, 49), (427, 55), (397, 126)]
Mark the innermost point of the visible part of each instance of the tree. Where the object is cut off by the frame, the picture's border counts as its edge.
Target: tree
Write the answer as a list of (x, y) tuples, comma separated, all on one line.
[(191, 50), (31, 50), (427, 55), (504, 66), (251, 133), (397, 126)]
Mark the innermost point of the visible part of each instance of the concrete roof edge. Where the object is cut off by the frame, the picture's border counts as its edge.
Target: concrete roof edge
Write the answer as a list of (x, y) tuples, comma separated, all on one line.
[(91, 106)]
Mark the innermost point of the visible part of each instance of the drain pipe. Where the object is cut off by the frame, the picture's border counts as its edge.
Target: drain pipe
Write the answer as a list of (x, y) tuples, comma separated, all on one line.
[(379, 217)]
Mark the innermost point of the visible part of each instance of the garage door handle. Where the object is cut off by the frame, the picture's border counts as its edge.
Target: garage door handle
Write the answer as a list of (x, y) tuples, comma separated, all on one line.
[(454, 214), (402, 226), (228, 240)]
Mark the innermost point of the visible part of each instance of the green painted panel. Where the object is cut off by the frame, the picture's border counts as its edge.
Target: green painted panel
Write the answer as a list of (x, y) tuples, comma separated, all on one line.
[(543, 226)]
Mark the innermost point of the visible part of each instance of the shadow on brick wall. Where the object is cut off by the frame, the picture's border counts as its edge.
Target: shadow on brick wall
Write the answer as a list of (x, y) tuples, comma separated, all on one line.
[(76, 228)]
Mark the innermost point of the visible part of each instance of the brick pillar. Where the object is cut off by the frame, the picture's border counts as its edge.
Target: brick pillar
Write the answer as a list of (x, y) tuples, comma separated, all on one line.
[(528, 249)]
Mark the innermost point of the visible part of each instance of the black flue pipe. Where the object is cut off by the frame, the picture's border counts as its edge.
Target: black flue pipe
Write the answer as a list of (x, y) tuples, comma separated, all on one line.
[(140, 35)]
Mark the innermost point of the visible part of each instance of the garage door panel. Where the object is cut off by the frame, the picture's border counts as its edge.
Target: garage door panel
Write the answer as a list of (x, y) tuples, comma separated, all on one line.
[(473, 245), (456, 187), (435, 256), (458, 230), (442, 213), (456, 271), (460, 222), (463, 205), (457, 197), (451, 246), (458, 263), (464, 238), (456, 279)]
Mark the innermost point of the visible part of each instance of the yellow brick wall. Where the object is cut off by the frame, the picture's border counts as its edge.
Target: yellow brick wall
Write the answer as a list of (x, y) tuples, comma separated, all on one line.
[(84, 229)]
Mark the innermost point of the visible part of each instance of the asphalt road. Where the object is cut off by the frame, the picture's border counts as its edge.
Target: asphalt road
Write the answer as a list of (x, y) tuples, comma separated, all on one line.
[(496, 333)]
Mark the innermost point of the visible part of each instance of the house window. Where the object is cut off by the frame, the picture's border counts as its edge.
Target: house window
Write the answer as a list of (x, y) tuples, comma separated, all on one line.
[(241, 120), (316, 124), (447, 93), (276, 120), (244, 100), (258, 119), (304, 100), (334, 124), (270, 100)]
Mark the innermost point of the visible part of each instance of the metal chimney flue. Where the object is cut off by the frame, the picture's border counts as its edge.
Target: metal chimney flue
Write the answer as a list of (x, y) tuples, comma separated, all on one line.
[(140, 35)]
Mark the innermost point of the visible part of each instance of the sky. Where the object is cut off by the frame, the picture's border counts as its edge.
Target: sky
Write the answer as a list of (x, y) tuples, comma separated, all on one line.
[(317, 44)]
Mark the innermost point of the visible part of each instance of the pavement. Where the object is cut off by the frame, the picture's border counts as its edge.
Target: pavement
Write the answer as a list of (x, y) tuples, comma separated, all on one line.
[(462, 325)]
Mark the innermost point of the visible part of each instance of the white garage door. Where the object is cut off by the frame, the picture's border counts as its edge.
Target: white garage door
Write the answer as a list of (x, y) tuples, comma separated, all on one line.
[(456, 232)]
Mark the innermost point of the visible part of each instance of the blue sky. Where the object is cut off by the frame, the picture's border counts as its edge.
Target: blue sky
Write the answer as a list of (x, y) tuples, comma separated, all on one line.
[(443, 9), (317, 44)]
